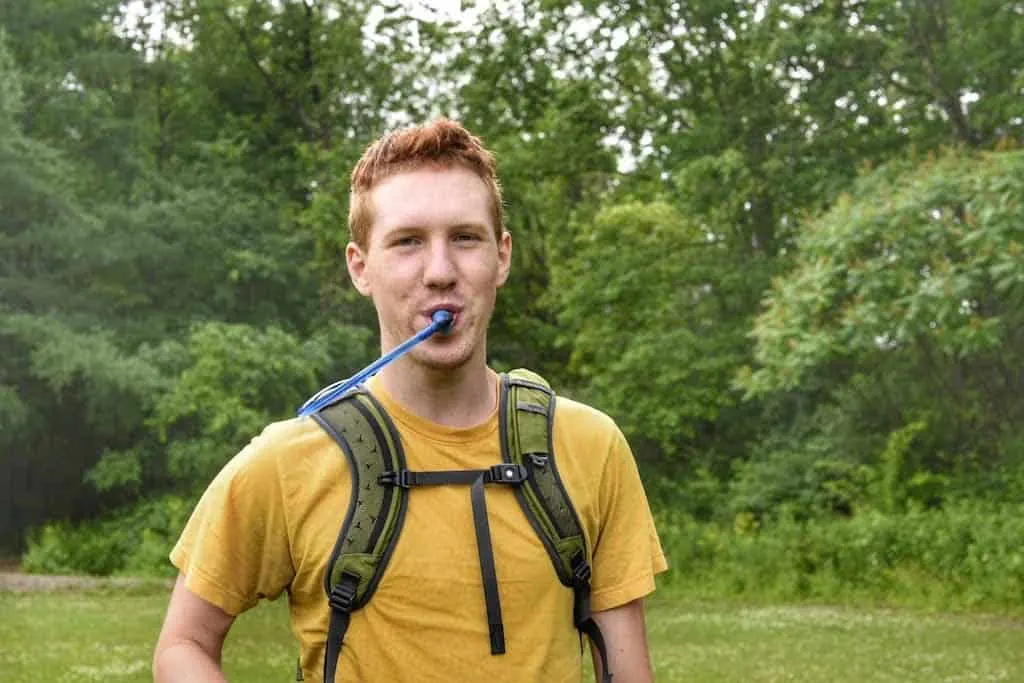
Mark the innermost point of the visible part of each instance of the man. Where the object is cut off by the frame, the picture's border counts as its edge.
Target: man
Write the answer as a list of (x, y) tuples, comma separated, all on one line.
[(427, 234)]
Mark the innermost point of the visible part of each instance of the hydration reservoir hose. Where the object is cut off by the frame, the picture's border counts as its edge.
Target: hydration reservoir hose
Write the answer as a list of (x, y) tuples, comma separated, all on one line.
[(441, 321)]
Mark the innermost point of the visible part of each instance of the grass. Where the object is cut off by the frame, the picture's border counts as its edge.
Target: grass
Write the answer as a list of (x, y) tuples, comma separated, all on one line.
[(67, 637)]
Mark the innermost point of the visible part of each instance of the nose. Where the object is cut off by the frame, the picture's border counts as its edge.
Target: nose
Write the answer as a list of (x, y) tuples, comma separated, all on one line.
[(439, 270)]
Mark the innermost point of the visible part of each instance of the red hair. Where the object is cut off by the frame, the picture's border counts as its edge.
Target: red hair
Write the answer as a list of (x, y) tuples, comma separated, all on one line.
[(443, 143)]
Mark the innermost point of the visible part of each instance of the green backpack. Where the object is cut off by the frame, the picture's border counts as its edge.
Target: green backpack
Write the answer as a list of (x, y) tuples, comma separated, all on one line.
[(381, 487)]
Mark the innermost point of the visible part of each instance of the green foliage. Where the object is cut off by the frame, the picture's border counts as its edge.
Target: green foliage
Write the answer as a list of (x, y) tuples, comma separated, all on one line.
[(896, 465), (802, 483), (61, 548), (238, 379), (647, 335), (13, 412), (115, 470), (964, 556), (116, 387), (10, 87), (135, 541), (819, 457), (906, 299), (927, 259), (691, 491)]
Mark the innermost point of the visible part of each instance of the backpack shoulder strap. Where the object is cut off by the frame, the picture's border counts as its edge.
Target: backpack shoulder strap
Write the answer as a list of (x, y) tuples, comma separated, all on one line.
[(372, 446), (526, 422), (527, 413)]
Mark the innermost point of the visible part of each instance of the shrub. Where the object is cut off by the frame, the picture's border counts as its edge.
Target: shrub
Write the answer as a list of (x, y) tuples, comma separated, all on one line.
[(134, 541), (965, 556)]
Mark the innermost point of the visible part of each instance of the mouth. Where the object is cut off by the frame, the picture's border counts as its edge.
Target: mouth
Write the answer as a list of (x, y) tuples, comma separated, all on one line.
[(454, 311)]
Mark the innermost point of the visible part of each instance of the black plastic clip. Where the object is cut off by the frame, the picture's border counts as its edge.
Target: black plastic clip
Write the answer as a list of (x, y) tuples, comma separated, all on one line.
[(343, 595), (538, 459), (508, 473), (401, 478), (580, 569)]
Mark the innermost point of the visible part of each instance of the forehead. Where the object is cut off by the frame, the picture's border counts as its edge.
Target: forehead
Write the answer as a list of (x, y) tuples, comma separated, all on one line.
[(430, 197)]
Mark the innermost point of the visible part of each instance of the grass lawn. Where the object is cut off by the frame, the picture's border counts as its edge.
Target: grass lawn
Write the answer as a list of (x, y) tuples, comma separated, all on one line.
[(65, 637)]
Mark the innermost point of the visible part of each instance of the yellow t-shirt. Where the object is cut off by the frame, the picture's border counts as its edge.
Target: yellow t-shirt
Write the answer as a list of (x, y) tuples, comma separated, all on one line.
[(269, 521)]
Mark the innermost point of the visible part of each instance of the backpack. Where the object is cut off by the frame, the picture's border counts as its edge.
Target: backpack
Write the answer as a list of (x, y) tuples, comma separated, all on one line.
[(381, 486)]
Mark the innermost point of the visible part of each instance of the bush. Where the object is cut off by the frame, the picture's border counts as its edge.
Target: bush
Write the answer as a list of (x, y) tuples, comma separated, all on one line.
[(132, 541), (966, 556)]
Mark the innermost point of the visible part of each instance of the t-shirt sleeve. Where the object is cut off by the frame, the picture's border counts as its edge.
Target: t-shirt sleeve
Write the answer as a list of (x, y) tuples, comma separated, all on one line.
[(235, 548), (627, 551)]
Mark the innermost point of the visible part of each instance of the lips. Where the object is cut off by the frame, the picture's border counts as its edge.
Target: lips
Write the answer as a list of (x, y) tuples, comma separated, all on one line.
[(454, 310)]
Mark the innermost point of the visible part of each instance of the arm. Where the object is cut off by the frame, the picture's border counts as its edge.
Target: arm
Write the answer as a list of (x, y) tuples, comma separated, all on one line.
[(625, 636), (192, 638)]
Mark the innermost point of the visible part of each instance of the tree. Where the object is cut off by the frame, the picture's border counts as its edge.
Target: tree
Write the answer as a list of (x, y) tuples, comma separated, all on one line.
[(60, 387), (650, 341), (914, 282)]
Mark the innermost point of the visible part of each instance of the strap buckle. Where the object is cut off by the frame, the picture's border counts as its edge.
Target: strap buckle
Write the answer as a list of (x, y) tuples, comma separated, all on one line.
[(343, 595), (580, 569), (508, 473), (401, 478)]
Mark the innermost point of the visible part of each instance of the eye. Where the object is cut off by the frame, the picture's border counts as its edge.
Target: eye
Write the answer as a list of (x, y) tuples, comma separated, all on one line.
[(405, 241), (467, 237)]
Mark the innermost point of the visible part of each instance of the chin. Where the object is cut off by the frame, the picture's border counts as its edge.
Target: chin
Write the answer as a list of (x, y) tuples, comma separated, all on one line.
[(445, 359)]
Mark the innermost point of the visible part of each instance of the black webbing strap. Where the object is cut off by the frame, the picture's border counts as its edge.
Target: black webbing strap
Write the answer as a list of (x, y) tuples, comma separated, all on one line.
[(504, 473), (340, 601), (495, 626), (590, 628), (582, 616)]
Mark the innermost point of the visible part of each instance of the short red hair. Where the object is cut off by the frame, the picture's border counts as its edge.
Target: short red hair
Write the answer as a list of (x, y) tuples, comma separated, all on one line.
[(443, 143)]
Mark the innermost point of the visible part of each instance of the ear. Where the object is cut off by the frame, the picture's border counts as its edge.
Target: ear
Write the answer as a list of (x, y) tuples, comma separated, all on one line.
[(355, 259), (504, 256)]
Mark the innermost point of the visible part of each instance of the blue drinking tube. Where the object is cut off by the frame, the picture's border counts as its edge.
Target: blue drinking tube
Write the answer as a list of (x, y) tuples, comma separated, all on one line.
[(441, 321)]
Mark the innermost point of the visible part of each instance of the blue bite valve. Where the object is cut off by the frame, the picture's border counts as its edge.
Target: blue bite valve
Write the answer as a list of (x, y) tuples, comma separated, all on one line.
[(441, 321)]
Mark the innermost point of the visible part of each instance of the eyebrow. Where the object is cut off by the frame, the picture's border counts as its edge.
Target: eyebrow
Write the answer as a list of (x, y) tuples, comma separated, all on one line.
[(469, 226), (417, 227)]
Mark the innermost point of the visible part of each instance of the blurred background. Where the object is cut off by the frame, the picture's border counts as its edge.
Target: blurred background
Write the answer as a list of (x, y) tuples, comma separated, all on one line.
[(782, 243)]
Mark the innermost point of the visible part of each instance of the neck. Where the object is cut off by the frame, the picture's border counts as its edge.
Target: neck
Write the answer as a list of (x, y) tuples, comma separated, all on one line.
[(459, 397)]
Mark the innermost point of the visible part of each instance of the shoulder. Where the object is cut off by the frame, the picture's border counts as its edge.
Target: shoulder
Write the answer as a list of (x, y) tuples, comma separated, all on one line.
[(297, 435), (587, 443), (579, 423), (591, 442), (281, 447)]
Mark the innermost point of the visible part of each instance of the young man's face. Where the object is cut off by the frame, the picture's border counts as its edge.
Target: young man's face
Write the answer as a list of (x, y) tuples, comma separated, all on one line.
[(432, 246)]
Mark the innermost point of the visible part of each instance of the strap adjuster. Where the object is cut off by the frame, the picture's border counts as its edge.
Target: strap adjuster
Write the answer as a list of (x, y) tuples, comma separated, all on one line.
[(580, 569), (401, 478), (508, 473), (343, 595), (538, 459)]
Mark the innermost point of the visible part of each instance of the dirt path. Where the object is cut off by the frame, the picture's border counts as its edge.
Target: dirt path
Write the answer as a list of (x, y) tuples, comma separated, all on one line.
[(18, 582)]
